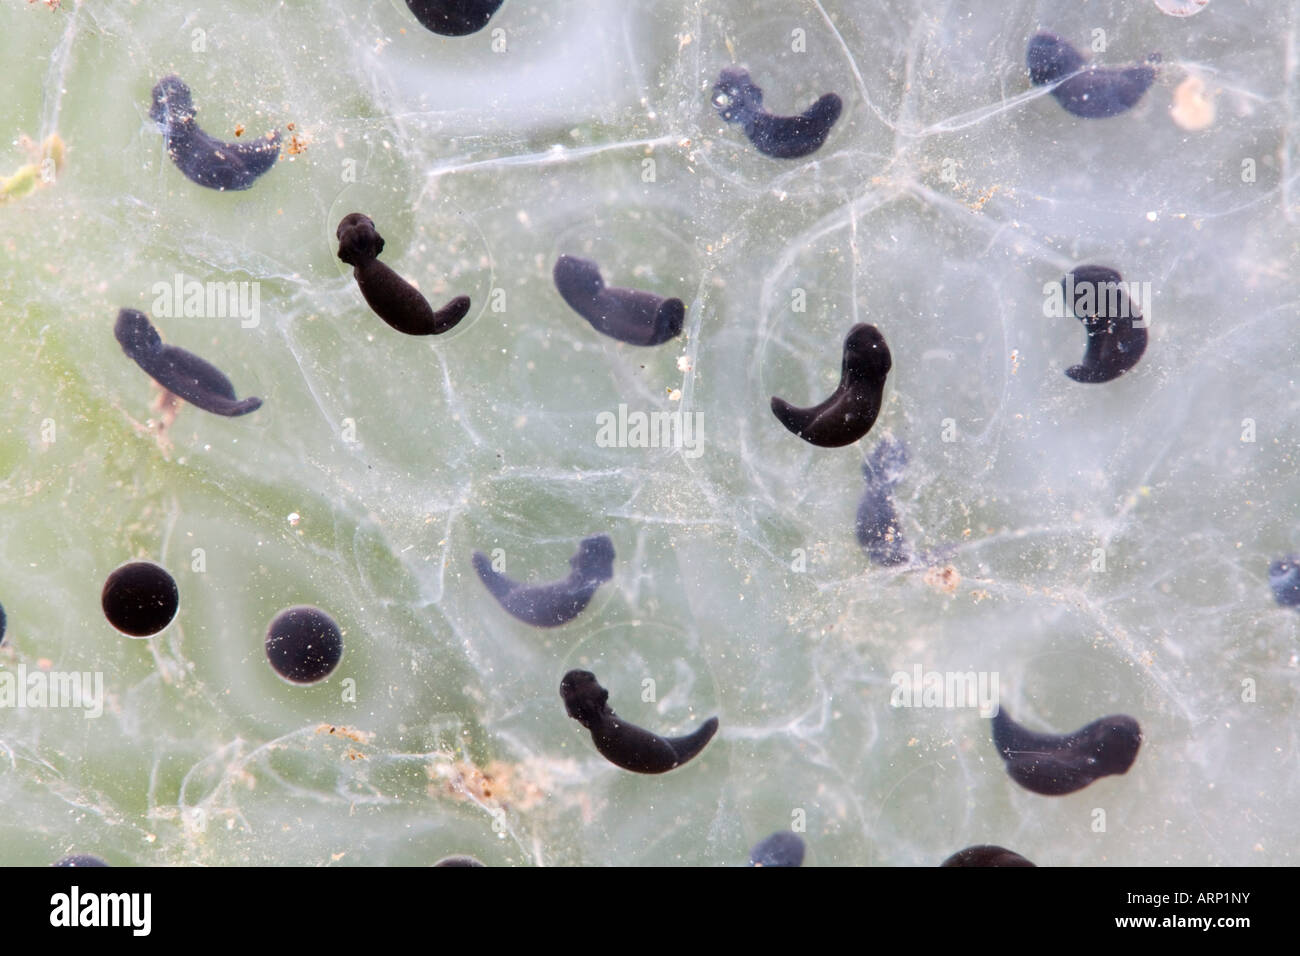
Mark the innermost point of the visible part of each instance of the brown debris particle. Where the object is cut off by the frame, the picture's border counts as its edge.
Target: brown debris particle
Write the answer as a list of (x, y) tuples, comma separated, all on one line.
[(347, 733), (945, 579), (1193, 108), (497, 785)]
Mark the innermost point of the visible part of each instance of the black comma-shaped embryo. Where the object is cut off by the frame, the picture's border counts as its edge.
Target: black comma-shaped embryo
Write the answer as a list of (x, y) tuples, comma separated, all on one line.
[(453, 18), (738, 100), (550, 605), (851, 409), (182, 373), (207, 161), (629, 315), (878, 528), (1117, 334), (392, 298), (1283, 578), (621, 743), (1057, 764), (782, 848), (1091, 92), (986, 855)]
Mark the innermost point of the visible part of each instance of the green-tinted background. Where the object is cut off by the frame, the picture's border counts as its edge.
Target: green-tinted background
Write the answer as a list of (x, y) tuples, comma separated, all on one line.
[(947, 196)]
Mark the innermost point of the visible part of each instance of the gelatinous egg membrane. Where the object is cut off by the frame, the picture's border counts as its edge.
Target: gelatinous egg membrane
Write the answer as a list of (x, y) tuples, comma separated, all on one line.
[(1100, 549)]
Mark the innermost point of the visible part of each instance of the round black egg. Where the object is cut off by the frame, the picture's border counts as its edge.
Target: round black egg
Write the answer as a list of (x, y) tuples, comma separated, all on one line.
[(140, 599), (303, 644)]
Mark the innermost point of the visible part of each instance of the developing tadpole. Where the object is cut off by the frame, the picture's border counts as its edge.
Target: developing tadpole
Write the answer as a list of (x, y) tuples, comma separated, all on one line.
[(550, 605), (1117, 336), (878, 529), (629, 315), (391, 297), (206, 160), (852, 408), (180, 372), (1057, 764), (1283, 578), (622, 744), (782, 848), (1086, 90), (739, 100)]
